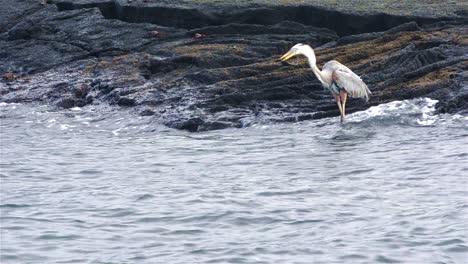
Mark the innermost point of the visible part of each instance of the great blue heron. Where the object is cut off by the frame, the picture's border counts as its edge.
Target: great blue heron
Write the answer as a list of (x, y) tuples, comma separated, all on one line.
[(334, 76)]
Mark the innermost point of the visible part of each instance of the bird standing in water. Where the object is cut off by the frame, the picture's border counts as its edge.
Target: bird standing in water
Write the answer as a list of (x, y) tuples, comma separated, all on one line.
[(334, 76)]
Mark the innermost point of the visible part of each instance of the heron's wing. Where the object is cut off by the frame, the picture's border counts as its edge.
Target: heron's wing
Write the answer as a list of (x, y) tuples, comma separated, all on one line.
[(346, 79)]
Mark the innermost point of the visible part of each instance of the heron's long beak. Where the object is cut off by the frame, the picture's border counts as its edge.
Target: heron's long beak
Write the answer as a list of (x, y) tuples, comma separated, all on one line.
[(288, 55)]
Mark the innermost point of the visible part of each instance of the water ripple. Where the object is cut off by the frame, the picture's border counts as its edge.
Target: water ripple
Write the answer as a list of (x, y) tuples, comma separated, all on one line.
[(281, 193), (389, 186)]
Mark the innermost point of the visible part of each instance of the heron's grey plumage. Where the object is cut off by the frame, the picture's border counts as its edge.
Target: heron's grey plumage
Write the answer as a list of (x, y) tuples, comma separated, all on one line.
[(346, 79)]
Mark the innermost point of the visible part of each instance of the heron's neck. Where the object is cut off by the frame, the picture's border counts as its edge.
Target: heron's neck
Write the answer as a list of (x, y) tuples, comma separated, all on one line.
[(315, 69)]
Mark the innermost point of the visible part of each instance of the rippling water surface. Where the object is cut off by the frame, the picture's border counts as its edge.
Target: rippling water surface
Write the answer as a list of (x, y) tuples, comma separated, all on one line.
[(80, 186)]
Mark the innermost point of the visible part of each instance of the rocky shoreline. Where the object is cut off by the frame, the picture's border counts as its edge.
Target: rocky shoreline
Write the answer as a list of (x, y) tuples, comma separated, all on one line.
[(197, 65)]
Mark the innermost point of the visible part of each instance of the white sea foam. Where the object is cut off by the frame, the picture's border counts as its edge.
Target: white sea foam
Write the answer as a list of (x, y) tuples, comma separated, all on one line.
[(66, 126), (9, 105), (421, 110)]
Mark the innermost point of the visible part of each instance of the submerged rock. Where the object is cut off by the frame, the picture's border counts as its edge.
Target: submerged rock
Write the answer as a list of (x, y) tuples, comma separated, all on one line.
[(74, 53)]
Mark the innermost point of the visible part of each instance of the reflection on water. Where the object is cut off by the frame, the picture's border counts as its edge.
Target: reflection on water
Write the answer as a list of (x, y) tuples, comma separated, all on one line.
[(104, 186)]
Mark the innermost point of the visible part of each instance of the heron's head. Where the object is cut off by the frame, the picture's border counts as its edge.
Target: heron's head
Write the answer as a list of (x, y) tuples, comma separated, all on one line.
[(298, 49)]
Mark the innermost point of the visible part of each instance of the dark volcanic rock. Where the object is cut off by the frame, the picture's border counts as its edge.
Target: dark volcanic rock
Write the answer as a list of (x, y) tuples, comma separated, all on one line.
[(81, 52), (458, 102), (13, 12), (124, 101)]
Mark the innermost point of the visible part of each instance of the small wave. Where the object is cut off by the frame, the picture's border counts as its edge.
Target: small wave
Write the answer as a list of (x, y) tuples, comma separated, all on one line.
[(155, 219), (16, 219), (14, 205), (144, 197), (280, 193), (186, 232), (90, 171), (450, 242), (228, 260), (115, 212), (263, 220), (458, 248), (211, 217), (61, 237), (353, 257), (420, 111), (302, 222), (7, 257), (12, 105), (383, 259), (66, 127), (356, 172)]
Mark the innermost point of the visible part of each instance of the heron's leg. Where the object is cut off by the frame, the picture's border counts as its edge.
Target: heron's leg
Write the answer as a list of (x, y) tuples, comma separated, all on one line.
[(343, 96), (338, 102)]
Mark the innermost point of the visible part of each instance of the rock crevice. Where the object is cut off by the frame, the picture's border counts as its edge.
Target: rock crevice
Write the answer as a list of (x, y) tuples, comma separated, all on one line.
[(343, 23)]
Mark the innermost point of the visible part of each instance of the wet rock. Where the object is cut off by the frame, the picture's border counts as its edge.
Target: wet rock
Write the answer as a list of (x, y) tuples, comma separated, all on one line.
[(113, 98), (66, 103), (147, 112), (9, 76), (81, 91), (191, 124), (104, 88), (14, 11), (457, 103), (409, 26), (125, 101), (89, 99), (29, 57), (70, 102), (48, 38), (216, 125), (78, 52), (454, 105)]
